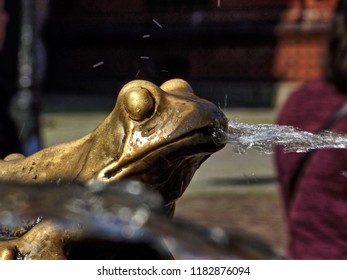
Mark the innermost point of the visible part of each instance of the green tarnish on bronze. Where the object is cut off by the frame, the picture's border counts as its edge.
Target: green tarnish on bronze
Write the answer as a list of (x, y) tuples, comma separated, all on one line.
[(157, 135)]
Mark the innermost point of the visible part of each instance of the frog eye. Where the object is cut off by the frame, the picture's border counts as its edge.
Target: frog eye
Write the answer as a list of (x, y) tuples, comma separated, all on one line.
[(177, 86), (139, 103)]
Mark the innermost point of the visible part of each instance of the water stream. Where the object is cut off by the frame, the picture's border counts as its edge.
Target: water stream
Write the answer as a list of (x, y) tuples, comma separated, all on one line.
[(264, 137)]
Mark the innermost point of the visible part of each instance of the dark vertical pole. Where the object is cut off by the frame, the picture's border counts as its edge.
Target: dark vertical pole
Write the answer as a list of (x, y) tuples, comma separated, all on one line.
[(26, 103), (9, 142)]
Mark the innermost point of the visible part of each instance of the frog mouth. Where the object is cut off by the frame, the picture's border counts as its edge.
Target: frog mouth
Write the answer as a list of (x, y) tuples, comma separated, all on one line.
[(181, 155)]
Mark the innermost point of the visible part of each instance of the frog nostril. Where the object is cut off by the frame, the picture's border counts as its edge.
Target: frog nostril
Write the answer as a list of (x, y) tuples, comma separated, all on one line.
[(139, 103)]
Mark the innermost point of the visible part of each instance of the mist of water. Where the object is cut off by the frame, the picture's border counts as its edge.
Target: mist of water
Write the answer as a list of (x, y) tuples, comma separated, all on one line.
[(264, 137)]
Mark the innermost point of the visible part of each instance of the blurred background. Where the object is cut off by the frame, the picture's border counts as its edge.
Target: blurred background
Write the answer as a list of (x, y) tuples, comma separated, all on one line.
[(64, 61)]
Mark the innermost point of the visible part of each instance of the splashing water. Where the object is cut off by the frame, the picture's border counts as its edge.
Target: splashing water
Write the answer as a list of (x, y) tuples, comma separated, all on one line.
[(121, 213), (264, 137)]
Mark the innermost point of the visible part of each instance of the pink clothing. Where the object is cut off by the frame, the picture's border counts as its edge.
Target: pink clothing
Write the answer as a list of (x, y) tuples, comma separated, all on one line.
[(317, 213)]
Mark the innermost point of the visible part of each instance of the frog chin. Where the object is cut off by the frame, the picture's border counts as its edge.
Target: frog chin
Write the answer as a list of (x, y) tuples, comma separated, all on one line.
[(168, 168)]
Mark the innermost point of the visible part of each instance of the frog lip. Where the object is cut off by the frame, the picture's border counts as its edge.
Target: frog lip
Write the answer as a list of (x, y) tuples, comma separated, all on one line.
[(200, 141)]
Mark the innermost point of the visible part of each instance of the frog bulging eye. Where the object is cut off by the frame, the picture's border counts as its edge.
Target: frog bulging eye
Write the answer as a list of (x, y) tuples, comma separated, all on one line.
[(139, 103)]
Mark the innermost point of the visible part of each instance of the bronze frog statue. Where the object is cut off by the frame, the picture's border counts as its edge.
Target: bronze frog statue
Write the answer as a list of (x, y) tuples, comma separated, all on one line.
[(156, 135)]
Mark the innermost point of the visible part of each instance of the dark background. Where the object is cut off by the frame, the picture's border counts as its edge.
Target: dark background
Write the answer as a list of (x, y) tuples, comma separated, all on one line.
[(227, 49)]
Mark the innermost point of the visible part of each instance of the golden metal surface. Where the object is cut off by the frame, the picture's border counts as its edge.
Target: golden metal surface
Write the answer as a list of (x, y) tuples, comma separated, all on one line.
[(156, 135), (152, 130)]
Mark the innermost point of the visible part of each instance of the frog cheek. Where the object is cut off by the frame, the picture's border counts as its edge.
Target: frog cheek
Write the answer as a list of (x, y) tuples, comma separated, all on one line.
[(139, 103)]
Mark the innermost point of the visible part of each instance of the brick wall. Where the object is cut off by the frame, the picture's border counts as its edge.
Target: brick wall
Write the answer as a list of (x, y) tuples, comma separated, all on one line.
[(302, 35)]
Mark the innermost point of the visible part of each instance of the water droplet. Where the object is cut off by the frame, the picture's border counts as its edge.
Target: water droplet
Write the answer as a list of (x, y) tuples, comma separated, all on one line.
[(157, 23), (98, 64), (125, 213)]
